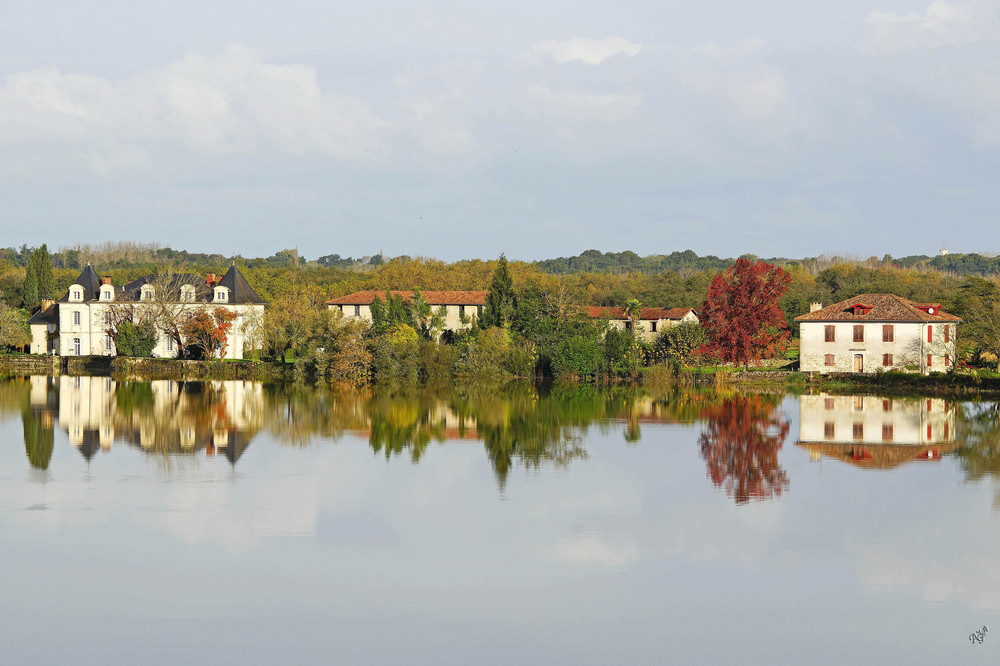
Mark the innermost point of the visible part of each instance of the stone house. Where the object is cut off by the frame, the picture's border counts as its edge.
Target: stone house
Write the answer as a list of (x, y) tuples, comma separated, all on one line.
[(77, 324), (651, 321), (458, 305), (877, 331)]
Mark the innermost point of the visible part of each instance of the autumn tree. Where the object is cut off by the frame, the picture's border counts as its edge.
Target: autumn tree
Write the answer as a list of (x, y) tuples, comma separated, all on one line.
[(740, 314), (13, 327), (501, 301), (205, 332)]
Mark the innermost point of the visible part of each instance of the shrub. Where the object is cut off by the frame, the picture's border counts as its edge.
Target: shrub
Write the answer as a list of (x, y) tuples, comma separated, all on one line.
[(492, 355), (577, 356), (396, 355)]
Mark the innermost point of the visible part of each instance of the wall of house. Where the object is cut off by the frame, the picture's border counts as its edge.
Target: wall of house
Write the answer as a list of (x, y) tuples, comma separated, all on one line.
[(92, 330), (453, 316), (850, 419), (646, 329), (908, 348)]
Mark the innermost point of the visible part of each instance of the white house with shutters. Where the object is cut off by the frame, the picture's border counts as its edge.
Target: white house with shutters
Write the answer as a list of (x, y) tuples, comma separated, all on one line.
[(78, 323), (877, 331)]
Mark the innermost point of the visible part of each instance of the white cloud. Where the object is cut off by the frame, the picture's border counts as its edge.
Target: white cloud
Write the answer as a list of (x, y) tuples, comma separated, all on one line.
[(941, 24), (587, 50), (232, 103)]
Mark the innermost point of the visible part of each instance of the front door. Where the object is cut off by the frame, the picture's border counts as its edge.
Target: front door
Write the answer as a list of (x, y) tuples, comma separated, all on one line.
[(859, 363)]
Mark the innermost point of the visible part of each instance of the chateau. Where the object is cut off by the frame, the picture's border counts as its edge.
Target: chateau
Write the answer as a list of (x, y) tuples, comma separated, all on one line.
[(78, 324)]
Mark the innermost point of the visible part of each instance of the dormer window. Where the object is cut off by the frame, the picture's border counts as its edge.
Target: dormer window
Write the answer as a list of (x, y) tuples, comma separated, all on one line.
[(107, 293), (75, 293), (861, 309), (187, 293), (147, 293), (221, 295)]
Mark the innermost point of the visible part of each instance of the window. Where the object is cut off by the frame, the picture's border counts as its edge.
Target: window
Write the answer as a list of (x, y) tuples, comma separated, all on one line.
[(930, 360), (930, 432), (946, 431), (105, 295), (888, 333), (859, 332), (830, 333), (461, 310), (76, 317), (887, 432), (947, 359), (77, 295), (887, 360), (829, 403), (76, 349), (830, 359), (653, 325), (928, 405), (357, 310), (887, 405), (829, 430), (170, 344), (108, 342), (859, 403), (107, 318), (147, 293), (858, 431), (947, 335), (930, 336), (187, 293)]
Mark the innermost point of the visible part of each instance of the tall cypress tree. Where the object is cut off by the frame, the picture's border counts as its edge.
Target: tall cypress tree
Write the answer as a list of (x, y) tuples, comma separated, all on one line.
[(31, 282), (43, 269), (501, 302)]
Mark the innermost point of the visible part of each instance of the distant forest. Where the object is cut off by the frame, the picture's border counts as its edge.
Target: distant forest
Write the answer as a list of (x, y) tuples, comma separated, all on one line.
[(126, 255)]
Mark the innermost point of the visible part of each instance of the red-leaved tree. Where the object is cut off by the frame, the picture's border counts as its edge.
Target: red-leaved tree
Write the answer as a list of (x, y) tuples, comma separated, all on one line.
[(206, 332), (740, 314)]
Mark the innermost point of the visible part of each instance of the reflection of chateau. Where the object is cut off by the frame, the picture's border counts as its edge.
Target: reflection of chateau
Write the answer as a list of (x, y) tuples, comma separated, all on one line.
[(163, 416), (869, 431)]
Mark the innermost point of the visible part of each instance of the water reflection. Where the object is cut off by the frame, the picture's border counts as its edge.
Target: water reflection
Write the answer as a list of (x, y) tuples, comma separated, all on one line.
[(740, 444), (520, 426), (876, 432)]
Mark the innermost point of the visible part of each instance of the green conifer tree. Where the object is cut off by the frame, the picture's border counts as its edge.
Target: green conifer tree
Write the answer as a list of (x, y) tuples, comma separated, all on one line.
[(43, 269), (31, 282), (501, 301)]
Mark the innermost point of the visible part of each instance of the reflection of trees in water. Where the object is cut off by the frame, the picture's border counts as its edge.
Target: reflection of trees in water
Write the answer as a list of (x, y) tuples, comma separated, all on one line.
[(978, 430), (740, 443), (38, 437)]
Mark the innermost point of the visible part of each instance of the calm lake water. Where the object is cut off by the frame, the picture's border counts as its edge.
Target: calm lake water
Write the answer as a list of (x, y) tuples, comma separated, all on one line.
[(227, 522)]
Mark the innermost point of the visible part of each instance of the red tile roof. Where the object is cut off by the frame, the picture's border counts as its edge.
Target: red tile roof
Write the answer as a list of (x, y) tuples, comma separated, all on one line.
[(647, 314), (883, 307), (433, 297)]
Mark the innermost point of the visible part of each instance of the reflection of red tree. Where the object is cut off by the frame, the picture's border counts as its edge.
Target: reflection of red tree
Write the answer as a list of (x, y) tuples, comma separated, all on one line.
[(740, 446)]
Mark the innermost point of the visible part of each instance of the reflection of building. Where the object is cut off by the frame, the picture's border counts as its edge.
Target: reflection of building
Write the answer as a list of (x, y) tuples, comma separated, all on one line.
[(163, 416), (870, 431)]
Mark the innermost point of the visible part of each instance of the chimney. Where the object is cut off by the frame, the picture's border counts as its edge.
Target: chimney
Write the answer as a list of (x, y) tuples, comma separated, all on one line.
[(210, 278), (106, 279), (815, 306), (47, 303)]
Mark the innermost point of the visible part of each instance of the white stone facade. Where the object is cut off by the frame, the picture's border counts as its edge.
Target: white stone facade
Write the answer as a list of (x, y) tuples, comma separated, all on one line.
[(908, 349)]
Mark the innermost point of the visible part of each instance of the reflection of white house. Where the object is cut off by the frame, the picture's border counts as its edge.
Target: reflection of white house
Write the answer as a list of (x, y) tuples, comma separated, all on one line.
[(78, 324), (877, 331), (651, 321), (875, 431), (176, 416), (459, 306)]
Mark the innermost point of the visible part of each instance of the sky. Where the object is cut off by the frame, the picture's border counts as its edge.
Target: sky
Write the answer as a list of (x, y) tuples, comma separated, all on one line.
[(536, 129)]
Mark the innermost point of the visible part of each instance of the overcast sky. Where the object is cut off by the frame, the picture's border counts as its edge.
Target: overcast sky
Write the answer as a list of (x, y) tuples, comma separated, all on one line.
[(467, 129)]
